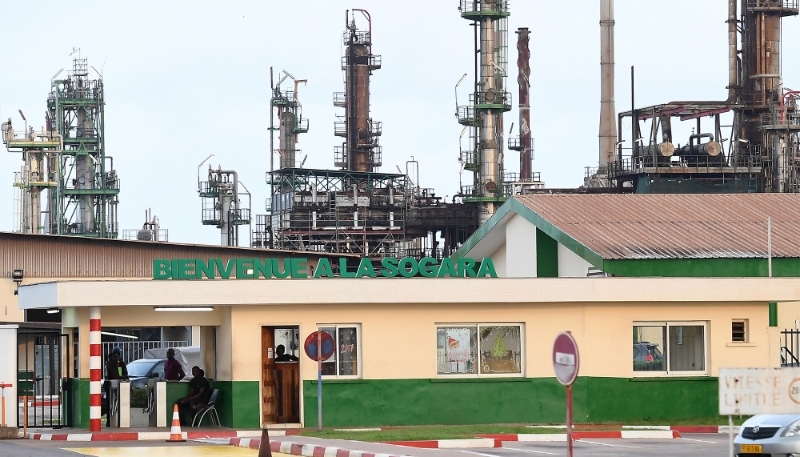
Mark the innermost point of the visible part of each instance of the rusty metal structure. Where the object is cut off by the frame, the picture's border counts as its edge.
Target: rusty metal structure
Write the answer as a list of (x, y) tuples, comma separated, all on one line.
[(355, 209), (360, 150), (527, 181), (761, 154)]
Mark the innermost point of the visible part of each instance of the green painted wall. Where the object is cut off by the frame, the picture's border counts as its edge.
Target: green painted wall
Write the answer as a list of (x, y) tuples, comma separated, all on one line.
[(546, 256), (731, 268), (517, 400), (175, 391), (238, 404)]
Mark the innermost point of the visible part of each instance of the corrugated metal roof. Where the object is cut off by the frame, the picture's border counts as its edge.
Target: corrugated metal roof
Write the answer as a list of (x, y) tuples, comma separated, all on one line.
[(51, 256), (675, 226)]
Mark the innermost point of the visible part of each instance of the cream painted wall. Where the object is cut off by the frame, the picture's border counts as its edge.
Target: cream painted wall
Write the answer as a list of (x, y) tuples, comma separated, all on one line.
[(520, 248), (570, 265), (9, 309), (500, 261), (399, 341), (788, 315)]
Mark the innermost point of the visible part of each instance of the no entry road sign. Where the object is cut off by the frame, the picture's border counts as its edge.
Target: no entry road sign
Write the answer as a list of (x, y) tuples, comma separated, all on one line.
[(566, 360)]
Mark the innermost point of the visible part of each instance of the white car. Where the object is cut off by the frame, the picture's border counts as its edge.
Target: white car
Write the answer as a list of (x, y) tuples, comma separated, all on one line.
[(769, 435)]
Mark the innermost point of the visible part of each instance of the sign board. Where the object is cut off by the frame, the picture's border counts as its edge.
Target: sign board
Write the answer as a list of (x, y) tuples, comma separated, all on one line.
[(759, 391), (566, 360), (328, 346), (298, 268)]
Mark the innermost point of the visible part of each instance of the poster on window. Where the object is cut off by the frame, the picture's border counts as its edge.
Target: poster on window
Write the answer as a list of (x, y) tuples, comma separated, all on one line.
[(458, 345)]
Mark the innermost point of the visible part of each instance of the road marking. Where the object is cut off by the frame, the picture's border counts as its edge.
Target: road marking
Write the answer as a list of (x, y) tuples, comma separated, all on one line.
[(473, 452), (529, 450), (605, 444), (699, 441)]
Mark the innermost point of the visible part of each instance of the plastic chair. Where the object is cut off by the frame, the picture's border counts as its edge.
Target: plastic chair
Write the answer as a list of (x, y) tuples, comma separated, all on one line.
[(210, 409)]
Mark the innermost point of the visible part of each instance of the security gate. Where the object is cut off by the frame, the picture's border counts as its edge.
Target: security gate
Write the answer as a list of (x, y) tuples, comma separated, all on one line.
[(44, 364)]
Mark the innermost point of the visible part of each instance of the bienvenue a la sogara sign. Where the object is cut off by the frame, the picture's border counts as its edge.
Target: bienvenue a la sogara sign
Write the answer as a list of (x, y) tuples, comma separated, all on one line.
[(299, 268)]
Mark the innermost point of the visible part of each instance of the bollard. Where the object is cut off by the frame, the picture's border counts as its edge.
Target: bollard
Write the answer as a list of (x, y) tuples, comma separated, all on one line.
[(3, 386)]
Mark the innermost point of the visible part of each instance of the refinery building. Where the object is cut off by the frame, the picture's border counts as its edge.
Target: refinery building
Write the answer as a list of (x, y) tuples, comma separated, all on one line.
[(678, 256)]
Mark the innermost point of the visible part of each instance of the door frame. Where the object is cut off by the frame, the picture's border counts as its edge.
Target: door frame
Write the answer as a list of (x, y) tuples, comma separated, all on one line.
[(274, 326)]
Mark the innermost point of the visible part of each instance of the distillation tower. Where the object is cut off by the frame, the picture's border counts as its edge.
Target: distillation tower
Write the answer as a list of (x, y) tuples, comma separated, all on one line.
[(762, 143), (66, 162), (360, 150), (484, 114)]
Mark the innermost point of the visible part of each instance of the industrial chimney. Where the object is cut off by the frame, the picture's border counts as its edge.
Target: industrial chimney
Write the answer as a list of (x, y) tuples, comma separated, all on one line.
[(608, 124)]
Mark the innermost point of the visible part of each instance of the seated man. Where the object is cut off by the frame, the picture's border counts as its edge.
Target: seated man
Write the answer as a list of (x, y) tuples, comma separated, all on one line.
[(199, 393)]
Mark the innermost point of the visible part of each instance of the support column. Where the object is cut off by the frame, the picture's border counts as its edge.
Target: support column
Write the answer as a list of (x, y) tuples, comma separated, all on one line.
[(95, 369)]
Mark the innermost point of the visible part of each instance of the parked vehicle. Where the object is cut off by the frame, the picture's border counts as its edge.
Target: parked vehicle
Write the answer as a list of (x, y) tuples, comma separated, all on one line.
[(139, 371), (647, 357), (769, 434)]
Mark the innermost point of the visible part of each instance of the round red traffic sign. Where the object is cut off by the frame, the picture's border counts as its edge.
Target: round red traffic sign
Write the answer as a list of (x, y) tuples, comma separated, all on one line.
[(327, 343), (566, 360)]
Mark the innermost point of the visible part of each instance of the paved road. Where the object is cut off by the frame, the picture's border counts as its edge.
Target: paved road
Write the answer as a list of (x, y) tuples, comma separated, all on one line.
[(710, 445), (706, 445), (32, 448)]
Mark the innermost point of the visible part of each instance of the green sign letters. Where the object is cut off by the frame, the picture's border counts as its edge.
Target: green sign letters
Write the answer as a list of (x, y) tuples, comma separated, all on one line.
[(298, 268)]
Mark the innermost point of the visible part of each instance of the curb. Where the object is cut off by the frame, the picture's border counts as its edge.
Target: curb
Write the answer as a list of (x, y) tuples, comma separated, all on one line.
[(674, 428), (307, 450), (496, 441), (144, 436)]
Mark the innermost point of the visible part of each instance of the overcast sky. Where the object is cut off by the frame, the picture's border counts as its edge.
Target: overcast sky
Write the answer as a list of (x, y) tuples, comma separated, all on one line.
[(187, 79)]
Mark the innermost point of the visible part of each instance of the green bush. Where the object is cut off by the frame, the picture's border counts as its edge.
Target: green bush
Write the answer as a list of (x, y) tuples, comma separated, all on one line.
[(138, 397)]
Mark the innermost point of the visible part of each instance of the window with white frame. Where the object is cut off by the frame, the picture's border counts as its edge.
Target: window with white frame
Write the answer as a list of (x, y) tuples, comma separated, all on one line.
[(479, 349), (669, 348), (346, 360)]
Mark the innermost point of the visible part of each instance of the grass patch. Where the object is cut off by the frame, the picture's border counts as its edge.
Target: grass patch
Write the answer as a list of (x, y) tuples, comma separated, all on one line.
[(444, 432), (431, 432)]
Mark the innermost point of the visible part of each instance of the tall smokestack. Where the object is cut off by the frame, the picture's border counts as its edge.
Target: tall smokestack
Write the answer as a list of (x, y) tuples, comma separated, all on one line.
[(524, 80), (608, 123), (733, 55)]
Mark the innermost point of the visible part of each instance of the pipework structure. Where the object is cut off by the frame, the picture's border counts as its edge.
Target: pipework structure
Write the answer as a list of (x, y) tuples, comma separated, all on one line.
[(67, 162), (360, 150), (357, 209), (222, 204), (762, 144), (291, 122), (489, 100)]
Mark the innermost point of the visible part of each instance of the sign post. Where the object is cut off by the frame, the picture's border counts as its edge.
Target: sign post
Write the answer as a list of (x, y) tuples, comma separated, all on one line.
[(566, 362), (750, 391), (319, 346)]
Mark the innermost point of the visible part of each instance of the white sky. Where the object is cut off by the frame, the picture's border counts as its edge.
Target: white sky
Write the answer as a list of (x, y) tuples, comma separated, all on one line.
[(187, 79)]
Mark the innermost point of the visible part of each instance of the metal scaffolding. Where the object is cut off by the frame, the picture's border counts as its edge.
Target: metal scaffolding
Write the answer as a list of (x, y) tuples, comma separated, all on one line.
[(489, 100), (67, 162)]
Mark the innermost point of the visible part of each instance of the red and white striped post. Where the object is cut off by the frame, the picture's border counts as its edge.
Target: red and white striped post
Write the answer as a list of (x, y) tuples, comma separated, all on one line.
[(95, 369)]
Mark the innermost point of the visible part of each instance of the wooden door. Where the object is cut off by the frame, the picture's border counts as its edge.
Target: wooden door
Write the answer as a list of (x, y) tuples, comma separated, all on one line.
[(268, 406), (287, 382)]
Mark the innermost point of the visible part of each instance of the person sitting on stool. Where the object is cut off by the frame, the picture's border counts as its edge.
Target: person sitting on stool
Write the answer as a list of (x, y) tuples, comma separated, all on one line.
[(199, 393)]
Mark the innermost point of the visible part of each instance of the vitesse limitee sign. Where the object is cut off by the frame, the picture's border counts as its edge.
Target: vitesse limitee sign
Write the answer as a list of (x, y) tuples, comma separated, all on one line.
[(298, 268)]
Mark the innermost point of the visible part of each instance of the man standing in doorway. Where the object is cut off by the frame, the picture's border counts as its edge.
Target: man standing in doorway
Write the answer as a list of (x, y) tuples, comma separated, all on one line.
[(173, 370)]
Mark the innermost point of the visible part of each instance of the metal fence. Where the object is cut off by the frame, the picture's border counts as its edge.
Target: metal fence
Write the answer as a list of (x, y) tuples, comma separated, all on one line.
[(134, 350), (790, 348), (43, 362)]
